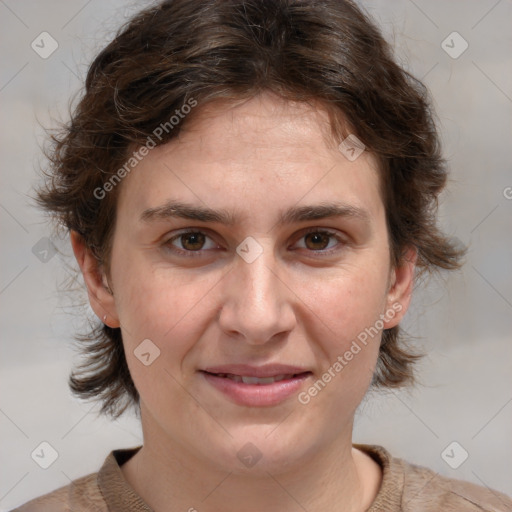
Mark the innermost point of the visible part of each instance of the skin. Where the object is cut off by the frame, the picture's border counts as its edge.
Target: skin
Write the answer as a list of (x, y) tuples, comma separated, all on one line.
[(290, 305)]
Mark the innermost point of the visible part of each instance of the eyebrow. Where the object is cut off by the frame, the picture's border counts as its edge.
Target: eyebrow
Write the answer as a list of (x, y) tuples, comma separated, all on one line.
[(177, 209)]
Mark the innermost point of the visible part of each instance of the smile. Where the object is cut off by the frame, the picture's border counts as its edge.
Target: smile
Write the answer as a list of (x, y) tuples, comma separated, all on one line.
[(254, 380), (253, 391)]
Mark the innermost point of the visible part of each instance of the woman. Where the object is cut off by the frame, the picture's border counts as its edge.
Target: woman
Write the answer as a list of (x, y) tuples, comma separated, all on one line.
[(250, 189)]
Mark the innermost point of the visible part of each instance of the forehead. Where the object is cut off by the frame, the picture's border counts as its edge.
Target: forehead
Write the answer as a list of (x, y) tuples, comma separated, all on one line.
[(264, 151), (288, 130)]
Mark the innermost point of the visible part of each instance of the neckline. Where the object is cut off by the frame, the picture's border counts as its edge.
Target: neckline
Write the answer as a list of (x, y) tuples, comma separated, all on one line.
[(121, 497)]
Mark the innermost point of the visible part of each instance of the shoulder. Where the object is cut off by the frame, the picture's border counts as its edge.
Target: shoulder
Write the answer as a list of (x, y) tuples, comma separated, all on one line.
[(422, 485), (410, 487), (81, 494), (99, 492)]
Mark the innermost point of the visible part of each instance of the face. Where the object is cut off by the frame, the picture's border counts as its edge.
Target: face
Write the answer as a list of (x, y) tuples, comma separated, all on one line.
[(251, 277)]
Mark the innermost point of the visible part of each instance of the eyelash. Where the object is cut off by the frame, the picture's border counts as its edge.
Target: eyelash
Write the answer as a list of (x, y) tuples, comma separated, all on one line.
[(199, 253)]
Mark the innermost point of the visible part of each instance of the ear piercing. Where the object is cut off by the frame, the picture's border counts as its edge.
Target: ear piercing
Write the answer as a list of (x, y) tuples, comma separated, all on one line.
[(105, 319)]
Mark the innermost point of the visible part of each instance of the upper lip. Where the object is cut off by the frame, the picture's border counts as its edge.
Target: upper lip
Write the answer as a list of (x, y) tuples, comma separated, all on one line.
[(269, 370)]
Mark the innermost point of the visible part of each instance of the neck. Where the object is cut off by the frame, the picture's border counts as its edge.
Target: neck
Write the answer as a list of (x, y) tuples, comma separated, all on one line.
[(335, 477)]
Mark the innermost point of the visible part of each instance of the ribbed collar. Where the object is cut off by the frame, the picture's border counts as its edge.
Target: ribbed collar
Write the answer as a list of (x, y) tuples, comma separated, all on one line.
[(121, 497)]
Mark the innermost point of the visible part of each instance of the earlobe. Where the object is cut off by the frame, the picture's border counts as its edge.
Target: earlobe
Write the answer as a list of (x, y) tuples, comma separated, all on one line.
[(100, 295), (400, 289)]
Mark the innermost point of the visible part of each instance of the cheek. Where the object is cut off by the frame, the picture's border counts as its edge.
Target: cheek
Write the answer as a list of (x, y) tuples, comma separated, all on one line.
[(351, 301), (350, 331), (169, 307), (348, 351), (146, 297), (169, 313), (158, 306)]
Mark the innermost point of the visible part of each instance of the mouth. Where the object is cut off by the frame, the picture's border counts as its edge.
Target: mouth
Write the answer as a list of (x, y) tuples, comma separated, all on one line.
[(258, 381), (256, 391)]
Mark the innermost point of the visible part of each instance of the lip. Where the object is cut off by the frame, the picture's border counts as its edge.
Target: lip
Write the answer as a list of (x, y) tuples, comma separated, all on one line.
[(257, 395), (268, 370)]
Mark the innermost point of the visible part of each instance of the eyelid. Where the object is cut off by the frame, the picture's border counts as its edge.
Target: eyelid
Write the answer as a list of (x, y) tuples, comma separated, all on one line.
[(302, 233), (325, 231), (185, 231)]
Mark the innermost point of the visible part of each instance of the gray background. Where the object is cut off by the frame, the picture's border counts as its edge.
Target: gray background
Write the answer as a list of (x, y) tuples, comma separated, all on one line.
[(463, 320)]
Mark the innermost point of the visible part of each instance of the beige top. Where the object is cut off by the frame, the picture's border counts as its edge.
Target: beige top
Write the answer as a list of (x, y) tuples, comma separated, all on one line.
[(405, 487)]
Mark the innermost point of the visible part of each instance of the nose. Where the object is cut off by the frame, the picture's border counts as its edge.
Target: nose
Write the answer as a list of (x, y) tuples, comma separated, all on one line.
[(257, 303)]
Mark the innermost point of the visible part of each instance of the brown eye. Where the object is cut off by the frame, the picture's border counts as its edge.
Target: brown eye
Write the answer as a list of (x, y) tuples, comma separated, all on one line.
[(317, 241), (192, 241)]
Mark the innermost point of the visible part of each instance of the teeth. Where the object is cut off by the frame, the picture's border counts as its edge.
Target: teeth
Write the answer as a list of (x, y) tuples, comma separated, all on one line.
[(256, 380)]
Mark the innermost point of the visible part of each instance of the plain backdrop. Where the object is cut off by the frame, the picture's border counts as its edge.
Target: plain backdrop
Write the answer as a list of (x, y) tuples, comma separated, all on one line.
[(463, 320)]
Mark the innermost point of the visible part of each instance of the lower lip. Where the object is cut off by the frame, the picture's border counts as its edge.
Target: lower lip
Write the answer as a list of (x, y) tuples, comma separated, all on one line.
[(257, 395)]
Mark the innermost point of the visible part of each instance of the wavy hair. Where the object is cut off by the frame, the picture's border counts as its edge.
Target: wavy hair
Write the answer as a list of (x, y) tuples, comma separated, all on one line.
[(326, 51)]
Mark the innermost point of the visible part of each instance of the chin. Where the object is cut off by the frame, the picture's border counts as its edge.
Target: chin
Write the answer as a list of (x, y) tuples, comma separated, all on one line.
[(257, 452)]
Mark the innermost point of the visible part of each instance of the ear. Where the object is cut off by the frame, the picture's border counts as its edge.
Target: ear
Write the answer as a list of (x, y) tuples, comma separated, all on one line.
[(400, 289), (101, 299)]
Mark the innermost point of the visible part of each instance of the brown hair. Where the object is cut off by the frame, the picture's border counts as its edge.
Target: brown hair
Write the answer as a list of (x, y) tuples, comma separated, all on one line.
[(327, 51)]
